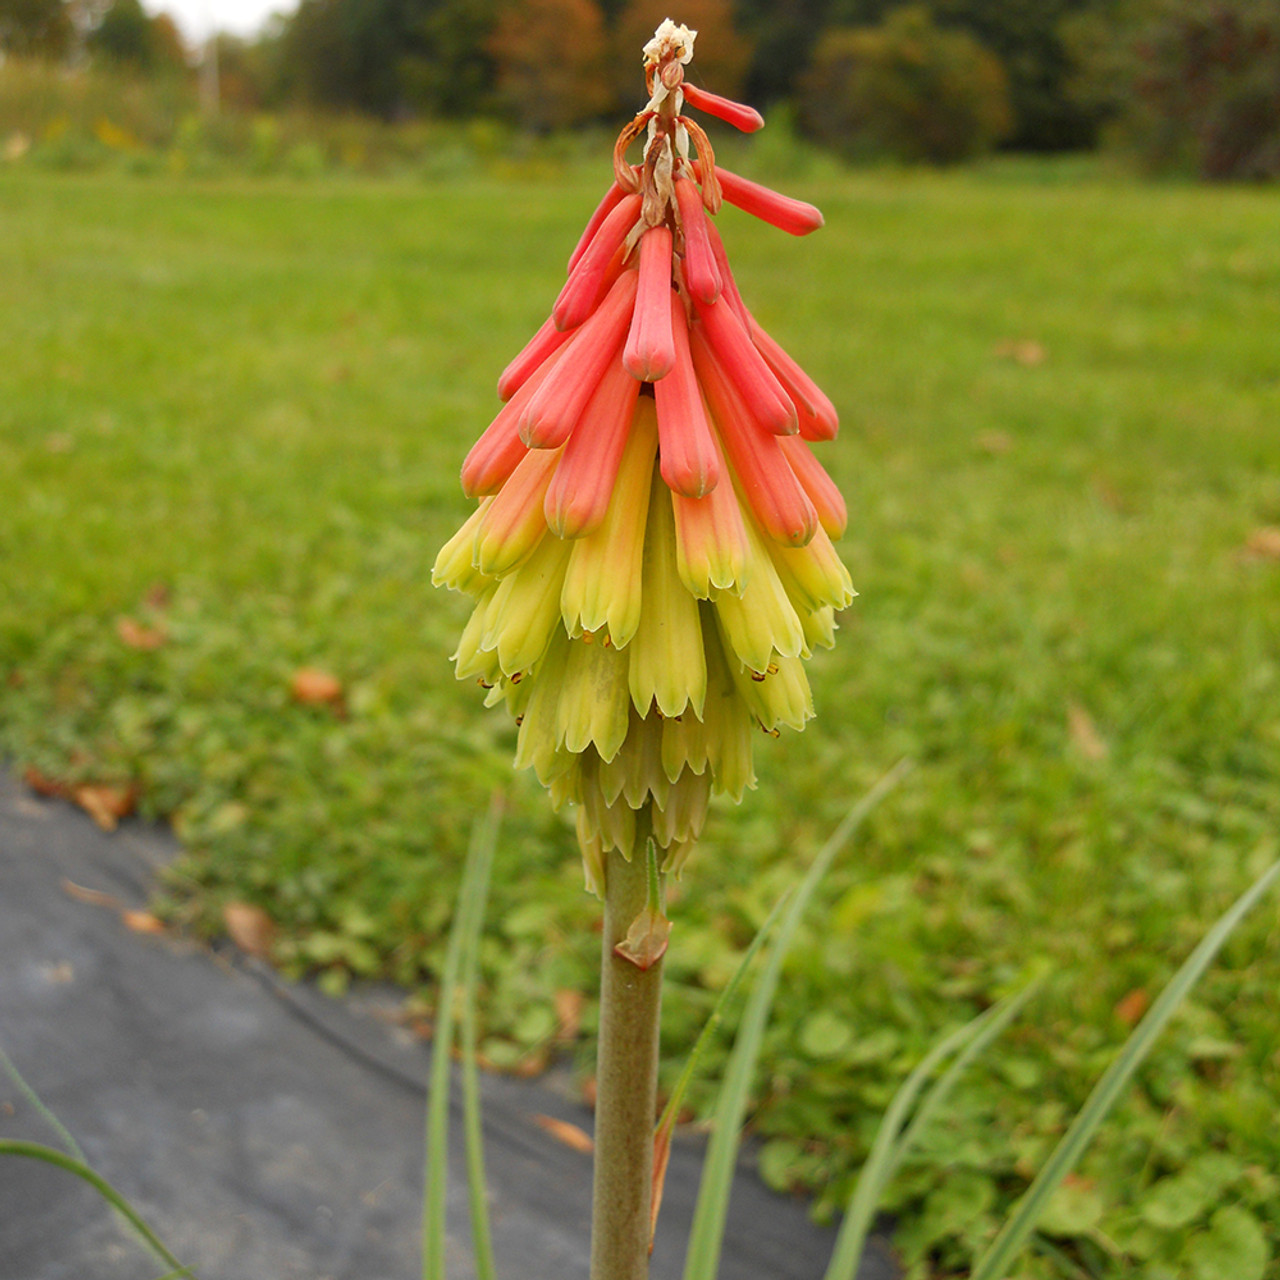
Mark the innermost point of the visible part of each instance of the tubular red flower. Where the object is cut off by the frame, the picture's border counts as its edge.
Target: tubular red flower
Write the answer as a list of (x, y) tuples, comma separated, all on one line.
[(535, 352), (738, 114), (765, 397), (578, 496), (728, 286), (701, 274), (818, 418), (499, 450), (768, 483), (650, 351), (557, 405), (820, 488), (582, 288), (780, 211), (612, 198), (690, 459)]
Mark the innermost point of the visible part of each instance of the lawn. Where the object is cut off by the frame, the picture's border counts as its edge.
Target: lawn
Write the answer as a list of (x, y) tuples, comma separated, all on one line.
[(232, 414)]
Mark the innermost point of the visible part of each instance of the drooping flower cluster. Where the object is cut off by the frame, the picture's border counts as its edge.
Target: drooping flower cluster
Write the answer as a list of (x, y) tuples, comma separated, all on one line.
[(651, 557)]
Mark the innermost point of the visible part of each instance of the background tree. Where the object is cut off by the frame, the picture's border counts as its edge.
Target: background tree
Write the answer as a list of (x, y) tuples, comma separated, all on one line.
[(546, 80), (1191, 84), (346, 54), (906, 88), (35, 28), (450, 70), (125, 36)]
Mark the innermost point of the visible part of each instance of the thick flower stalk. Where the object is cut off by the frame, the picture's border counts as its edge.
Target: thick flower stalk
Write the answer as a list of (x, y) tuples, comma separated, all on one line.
[(651, 556)]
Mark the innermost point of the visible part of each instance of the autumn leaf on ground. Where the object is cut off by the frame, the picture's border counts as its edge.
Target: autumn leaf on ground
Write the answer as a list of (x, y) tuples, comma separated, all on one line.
[(1131, 1006), (43, 785), (1024, 351), (569, 1134), (142, 922), (1084, 733), (105, 805), (94, 897), (251, 929), (1263, 543), (996, 443), (139, 636), (316, 688)]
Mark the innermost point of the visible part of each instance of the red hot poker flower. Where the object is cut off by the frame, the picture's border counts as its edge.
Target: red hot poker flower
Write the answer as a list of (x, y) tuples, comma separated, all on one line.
[(651, 559)]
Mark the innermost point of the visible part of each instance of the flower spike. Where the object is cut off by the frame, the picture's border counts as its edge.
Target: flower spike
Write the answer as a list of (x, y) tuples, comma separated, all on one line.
[(650, 558)]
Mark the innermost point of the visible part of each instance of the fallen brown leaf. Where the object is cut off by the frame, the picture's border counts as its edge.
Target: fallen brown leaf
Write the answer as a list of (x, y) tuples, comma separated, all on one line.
[(996, 443), (251, 929), (313, 687), (1084, 733), (1023, 351), (569, 1134), (139, 636), (43, 785), (94, 897), (105, 805), (1131, 1007), (532, 1065), (142, 922), (1264, 542)]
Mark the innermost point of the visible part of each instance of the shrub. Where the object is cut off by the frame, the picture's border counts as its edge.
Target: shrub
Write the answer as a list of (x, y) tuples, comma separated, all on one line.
[(906, 89), (1204, 86)]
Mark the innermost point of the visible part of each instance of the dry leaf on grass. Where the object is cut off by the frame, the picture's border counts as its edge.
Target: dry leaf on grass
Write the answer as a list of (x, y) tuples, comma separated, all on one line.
[(1131, 1007), (570, 1134), (996, 443), (251, 929), (43, 785), (1084, 733), (316, 688), (1024, 351), (138, 635), (105, 805), (1263, 543)]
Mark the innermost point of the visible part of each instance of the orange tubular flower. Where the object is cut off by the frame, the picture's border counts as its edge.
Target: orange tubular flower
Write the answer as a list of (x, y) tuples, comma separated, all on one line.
[(651, 558)]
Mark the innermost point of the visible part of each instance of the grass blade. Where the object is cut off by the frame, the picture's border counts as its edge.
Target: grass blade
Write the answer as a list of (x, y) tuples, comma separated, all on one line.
[(480, 1230), (707, 1236), (483, 837), (51, 1155), (992, 1265), (33, 1100), (667, 1122), (892, 1142)]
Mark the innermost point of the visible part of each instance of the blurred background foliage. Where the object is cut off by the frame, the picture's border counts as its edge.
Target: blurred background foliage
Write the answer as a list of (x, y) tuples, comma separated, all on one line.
[(1185, 86)]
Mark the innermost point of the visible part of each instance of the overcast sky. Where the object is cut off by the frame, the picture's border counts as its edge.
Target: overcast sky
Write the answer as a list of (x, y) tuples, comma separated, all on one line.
[(196, 17)]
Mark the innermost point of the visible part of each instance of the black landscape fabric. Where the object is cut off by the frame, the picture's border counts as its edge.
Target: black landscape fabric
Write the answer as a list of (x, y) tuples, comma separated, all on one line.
[(265, 1131)]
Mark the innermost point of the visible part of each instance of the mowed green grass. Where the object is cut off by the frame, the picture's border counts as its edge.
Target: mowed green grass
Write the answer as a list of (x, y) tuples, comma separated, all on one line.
[(234, 412)]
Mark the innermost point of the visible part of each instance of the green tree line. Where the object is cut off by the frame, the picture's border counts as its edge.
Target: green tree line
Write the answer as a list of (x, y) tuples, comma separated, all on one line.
[(1193, 84)]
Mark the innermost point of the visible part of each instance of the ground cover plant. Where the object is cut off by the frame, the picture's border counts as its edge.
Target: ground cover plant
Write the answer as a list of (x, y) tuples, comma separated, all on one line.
[(229, 433)]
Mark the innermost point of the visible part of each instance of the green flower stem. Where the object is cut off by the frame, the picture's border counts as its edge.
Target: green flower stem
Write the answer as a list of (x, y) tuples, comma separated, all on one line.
[(626, 1081)]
